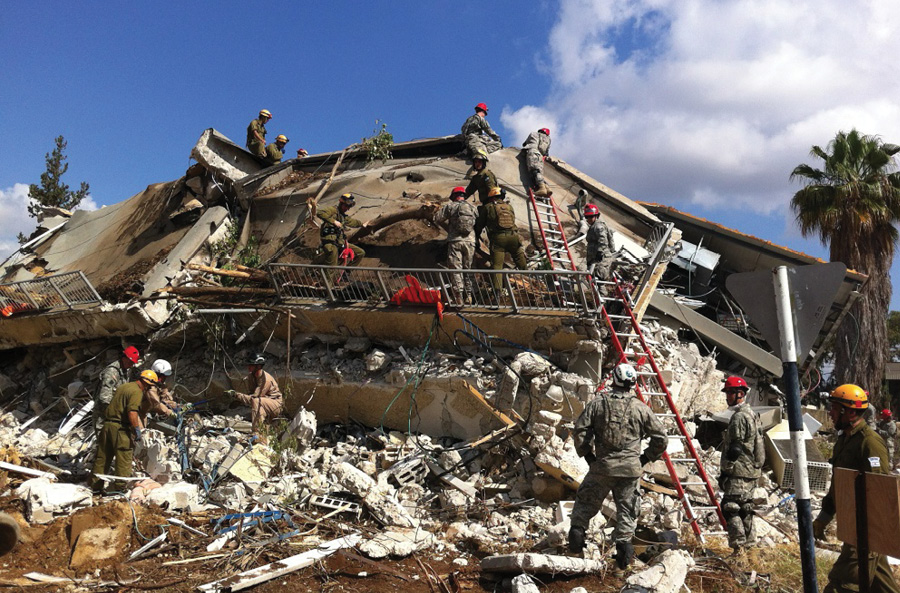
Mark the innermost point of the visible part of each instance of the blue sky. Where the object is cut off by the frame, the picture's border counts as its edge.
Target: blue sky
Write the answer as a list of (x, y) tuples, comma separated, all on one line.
[(699, 104)]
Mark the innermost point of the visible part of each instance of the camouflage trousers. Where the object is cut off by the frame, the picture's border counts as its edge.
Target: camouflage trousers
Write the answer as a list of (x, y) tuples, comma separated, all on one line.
[(844, 575), (476, 143), (737, 506), (535, 162), (590, 498), (459, 257), (889, 443)]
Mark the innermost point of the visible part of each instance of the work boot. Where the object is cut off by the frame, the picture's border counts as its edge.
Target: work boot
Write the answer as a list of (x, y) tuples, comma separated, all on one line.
[(576, 541), (543, 190), (624, 555)]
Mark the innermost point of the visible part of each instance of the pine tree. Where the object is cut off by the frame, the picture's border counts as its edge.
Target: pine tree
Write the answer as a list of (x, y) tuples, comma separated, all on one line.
[(52, 191)]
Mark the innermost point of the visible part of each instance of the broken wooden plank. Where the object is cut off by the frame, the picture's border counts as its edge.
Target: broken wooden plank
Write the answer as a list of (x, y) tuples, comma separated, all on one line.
[(26, 470)]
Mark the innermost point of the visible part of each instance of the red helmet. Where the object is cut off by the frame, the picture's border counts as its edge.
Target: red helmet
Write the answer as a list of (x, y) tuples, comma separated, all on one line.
[(457, 191), (735, 383), (544, 131), (481, 107), (885, 414), (591, 210), (132, 354)]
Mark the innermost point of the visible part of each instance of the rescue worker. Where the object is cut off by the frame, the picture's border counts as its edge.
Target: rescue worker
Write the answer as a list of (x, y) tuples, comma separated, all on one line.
[(265, 401), (275, 150), (157, 399), (301, 153), (459, 216), (608, 435), (600, 247), (887, 428), (743, 455), (256, 134), (537, 148), (334, 237), (112, 377), (859, 448), (499, 218), (121, 430), (483, 180), (478, 135)]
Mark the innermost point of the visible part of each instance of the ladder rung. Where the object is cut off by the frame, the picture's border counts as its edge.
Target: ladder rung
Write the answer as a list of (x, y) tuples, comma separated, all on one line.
[(665, 415), (700, 483), (653, 392), (676, 436), (682, 460), (716, 533), (696, 508)]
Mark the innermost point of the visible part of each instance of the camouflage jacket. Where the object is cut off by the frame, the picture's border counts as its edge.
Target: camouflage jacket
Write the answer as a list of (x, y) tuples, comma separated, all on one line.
[(539, 142), (479, 125), (887, 429), (329, 232), (858, 448), (111, 378), (611, 429), (599, 242), (744, 451), (460, 218)]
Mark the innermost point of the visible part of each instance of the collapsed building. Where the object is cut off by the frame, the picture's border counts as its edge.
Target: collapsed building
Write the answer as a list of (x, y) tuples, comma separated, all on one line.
[(402, 401)]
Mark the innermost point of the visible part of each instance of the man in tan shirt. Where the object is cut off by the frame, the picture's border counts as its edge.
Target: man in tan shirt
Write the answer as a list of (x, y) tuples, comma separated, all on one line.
[(157, 399), (265, 401)]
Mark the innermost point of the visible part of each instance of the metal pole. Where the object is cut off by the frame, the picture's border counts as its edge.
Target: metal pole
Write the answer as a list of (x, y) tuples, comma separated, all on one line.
[(862, 532), (795, 424)]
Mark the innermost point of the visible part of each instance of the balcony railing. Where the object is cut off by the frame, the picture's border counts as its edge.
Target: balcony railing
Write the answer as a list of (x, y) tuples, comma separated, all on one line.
[(61, 291)]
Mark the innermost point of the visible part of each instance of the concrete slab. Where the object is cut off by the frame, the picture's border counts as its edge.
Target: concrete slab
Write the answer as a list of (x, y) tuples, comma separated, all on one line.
[(541, 564)]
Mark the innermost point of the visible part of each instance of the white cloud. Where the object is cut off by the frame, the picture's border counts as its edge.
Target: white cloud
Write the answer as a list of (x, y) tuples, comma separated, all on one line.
[(710, 102)]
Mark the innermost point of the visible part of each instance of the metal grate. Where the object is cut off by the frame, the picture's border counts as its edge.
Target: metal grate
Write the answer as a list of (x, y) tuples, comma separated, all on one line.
[(61, 291)]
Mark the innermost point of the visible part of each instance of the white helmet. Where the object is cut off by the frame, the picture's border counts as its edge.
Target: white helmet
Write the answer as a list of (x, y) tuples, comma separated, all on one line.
[(624, 375), (161, 367)]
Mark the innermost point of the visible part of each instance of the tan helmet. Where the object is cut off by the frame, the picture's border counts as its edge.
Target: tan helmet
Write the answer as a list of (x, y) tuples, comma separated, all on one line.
[(265, 113), (281, 138)]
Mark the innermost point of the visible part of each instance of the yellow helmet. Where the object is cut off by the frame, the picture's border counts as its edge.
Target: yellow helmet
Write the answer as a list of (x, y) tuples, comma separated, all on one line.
[(850, 396), (265, 113), (495, 191), (281, 138), (149, 376)]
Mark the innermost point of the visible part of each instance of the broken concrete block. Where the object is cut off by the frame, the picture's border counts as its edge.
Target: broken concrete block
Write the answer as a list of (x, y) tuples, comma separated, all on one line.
[(44, 498), (506, 393), (529, 364), (666, 574), (759, 496), (587, 360), (376, 360), (175, 496), (524, 584), (254, 467), (352, 479), (302, 427), (398, 543), (548, 490), (549, 418), (541, 564)]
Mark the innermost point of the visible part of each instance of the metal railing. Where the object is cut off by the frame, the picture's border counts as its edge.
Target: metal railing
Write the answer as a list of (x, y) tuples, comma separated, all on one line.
[(519, 290), (48, 292)]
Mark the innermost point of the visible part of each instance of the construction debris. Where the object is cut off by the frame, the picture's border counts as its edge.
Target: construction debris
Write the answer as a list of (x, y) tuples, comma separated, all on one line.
[(666, 574), (541, 564)]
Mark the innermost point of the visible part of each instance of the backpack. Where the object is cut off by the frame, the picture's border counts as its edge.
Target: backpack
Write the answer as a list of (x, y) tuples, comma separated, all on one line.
[(506, 217), (462, 220), (614, 435)]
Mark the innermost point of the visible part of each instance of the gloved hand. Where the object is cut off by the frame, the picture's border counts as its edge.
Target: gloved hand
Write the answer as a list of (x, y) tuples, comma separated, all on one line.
[(644, 460), (229, 392), (819, 529), (137, 435), (733, 452)]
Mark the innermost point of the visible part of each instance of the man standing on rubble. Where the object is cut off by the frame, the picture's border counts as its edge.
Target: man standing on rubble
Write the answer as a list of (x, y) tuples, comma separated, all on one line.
[(256, 134), (483, 180), (859, 448), (265, 401), (334, 237), (499, 218), (275, 150), (157, 399), (743, 456), (121, 430), (887, 429), (608, 435), (112, 377), (601, 251), (478, 135), (459, 216), (537, 148)]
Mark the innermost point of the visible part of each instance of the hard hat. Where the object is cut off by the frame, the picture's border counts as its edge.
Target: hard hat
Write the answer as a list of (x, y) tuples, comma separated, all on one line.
[(161, 367), (624, 375), (494, 192), (481, 107), (347, 199), (149, 376), (480, 155), (885, 414), (457, 191), (281, 138), (302, 152), (132, 354), (735, 383), (257, 359), (544, 131), (850, 396), (265, 113), (591, 210)]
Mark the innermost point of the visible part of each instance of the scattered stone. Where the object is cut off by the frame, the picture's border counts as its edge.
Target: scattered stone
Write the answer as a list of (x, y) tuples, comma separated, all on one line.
[(524, 584), (175, 496), (541, 564), (45, 499), (665, 574), (398, 543)]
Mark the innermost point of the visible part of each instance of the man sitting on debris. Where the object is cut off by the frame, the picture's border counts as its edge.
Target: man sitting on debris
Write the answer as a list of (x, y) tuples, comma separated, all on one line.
[(608, 435), (157, 399), (459, 215), (887, 428), (499, 218), (265, 401), (334, 236), (537, 148), (478, 135), (859, 448), (256, 134), (275, 151), (743, 455), (112, 377), (121, 430)]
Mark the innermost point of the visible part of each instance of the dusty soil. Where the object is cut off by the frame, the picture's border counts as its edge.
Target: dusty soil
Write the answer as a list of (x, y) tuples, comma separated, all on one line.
[(125, 285)]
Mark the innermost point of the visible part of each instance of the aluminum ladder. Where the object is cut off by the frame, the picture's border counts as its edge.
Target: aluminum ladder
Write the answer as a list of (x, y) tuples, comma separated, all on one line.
[(553, 236), (631, 348)]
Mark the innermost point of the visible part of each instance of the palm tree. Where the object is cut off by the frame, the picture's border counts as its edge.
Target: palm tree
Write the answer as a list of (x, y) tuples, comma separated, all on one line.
[(852, 204)]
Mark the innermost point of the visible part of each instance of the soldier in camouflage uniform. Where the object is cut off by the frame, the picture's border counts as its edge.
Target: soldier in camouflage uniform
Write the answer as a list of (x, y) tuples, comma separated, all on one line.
[(256, 134), (742, 460), (112, 377), (275, 151), (859, 448), (459, 215), (608, 435), (333, 235), (537, 148), (887, 429), (478, 135), (601, 252), (499, 218)]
